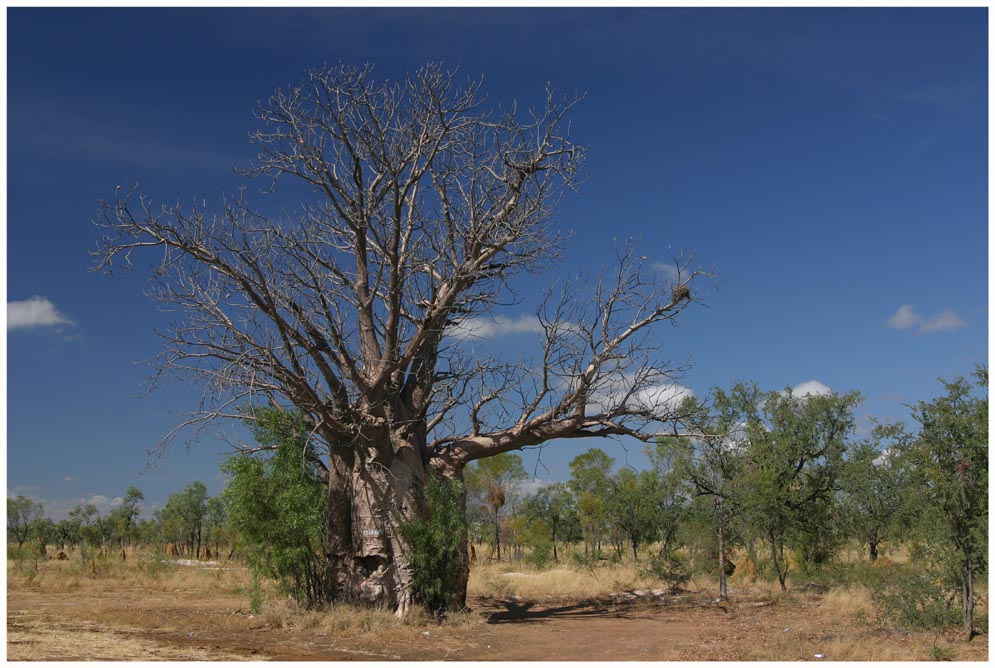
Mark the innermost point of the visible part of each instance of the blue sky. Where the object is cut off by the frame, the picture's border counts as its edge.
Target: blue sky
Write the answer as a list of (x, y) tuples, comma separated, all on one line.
[(830, 163)]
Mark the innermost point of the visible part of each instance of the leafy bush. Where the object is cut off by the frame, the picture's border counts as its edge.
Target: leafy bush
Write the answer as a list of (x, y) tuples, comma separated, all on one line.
[(540, 553), (277, 507), (436, 544), (153, 562), (25, 560), (671, 569), (913, 599)]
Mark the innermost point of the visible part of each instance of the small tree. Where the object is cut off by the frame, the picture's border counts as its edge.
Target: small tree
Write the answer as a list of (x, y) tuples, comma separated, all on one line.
[(630, 506), (589, 481), (123, 518), (796, 454), (92, 528), (182, 518), (22, 513), (44, 530), (276, 507), (875, 487), (670, 496), (493, 482), (67, 532), (714, 463), (216, 523), (948, 463), (556, 507)]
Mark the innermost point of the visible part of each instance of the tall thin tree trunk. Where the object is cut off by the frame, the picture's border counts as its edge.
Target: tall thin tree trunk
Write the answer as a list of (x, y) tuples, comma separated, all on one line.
[(497, 536), (777, 557), (968, 598), (720, 509)]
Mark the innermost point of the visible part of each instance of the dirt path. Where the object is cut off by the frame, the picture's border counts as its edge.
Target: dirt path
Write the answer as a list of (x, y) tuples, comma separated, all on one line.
[(183, 625)]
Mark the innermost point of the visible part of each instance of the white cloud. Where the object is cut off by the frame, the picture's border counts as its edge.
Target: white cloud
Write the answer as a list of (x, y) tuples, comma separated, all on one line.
[(659, 399), (942, 322), (34, 312), (904, 318), (886, 457), (59, 509), (811, 388), (532, 486), (668, 270), (663, 398), (483, 328), (68, 478)]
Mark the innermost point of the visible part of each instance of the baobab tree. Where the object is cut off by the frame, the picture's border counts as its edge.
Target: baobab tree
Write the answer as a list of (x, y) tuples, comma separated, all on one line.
[(353, 309)]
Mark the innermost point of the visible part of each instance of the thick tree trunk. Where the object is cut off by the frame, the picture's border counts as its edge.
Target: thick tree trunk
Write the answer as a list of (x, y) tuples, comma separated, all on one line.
[(368, 558)]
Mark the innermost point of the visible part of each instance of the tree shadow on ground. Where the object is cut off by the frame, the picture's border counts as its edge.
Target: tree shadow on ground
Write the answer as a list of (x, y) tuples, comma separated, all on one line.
[(518, 612)]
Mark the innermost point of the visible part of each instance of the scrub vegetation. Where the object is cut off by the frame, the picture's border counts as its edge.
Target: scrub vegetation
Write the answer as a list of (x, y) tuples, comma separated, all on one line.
[(770, 517)]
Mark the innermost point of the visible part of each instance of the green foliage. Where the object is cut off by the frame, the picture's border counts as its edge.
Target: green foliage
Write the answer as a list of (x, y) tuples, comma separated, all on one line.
[(276, 505), (537, 538), (22, 513), (556, 508), (589, 481), (670, 568), (948, 465), (796, 452), (67, 532), (874, 482), (182, 518), (629, 505), (670, 495), (540, 552), (491, 484), (153, 563), (25, 559), (122, 520), (91, 527), (913, 599), (435, 544)]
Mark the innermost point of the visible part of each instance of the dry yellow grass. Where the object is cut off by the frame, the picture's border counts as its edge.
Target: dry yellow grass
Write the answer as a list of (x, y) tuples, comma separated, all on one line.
[(504, 579), (143, 569), (152, 608), (845, 616), (848, 602)]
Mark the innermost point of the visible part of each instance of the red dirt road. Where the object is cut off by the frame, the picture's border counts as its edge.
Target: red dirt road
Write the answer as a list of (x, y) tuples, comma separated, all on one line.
[(143, 625)]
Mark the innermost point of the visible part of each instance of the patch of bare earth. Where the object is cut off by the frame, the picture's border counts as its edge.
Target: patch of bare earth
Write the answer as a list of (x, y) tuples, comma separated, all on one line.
[(133, 624)]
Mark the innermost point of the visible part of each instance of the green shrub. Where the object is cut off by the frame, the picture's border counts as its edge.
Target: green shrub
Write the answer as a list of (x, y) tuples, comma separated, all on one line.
[(436, 544), (914, 599), (277, 507), (25, 560), (540, 553), (671, 569), (153, 562)]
